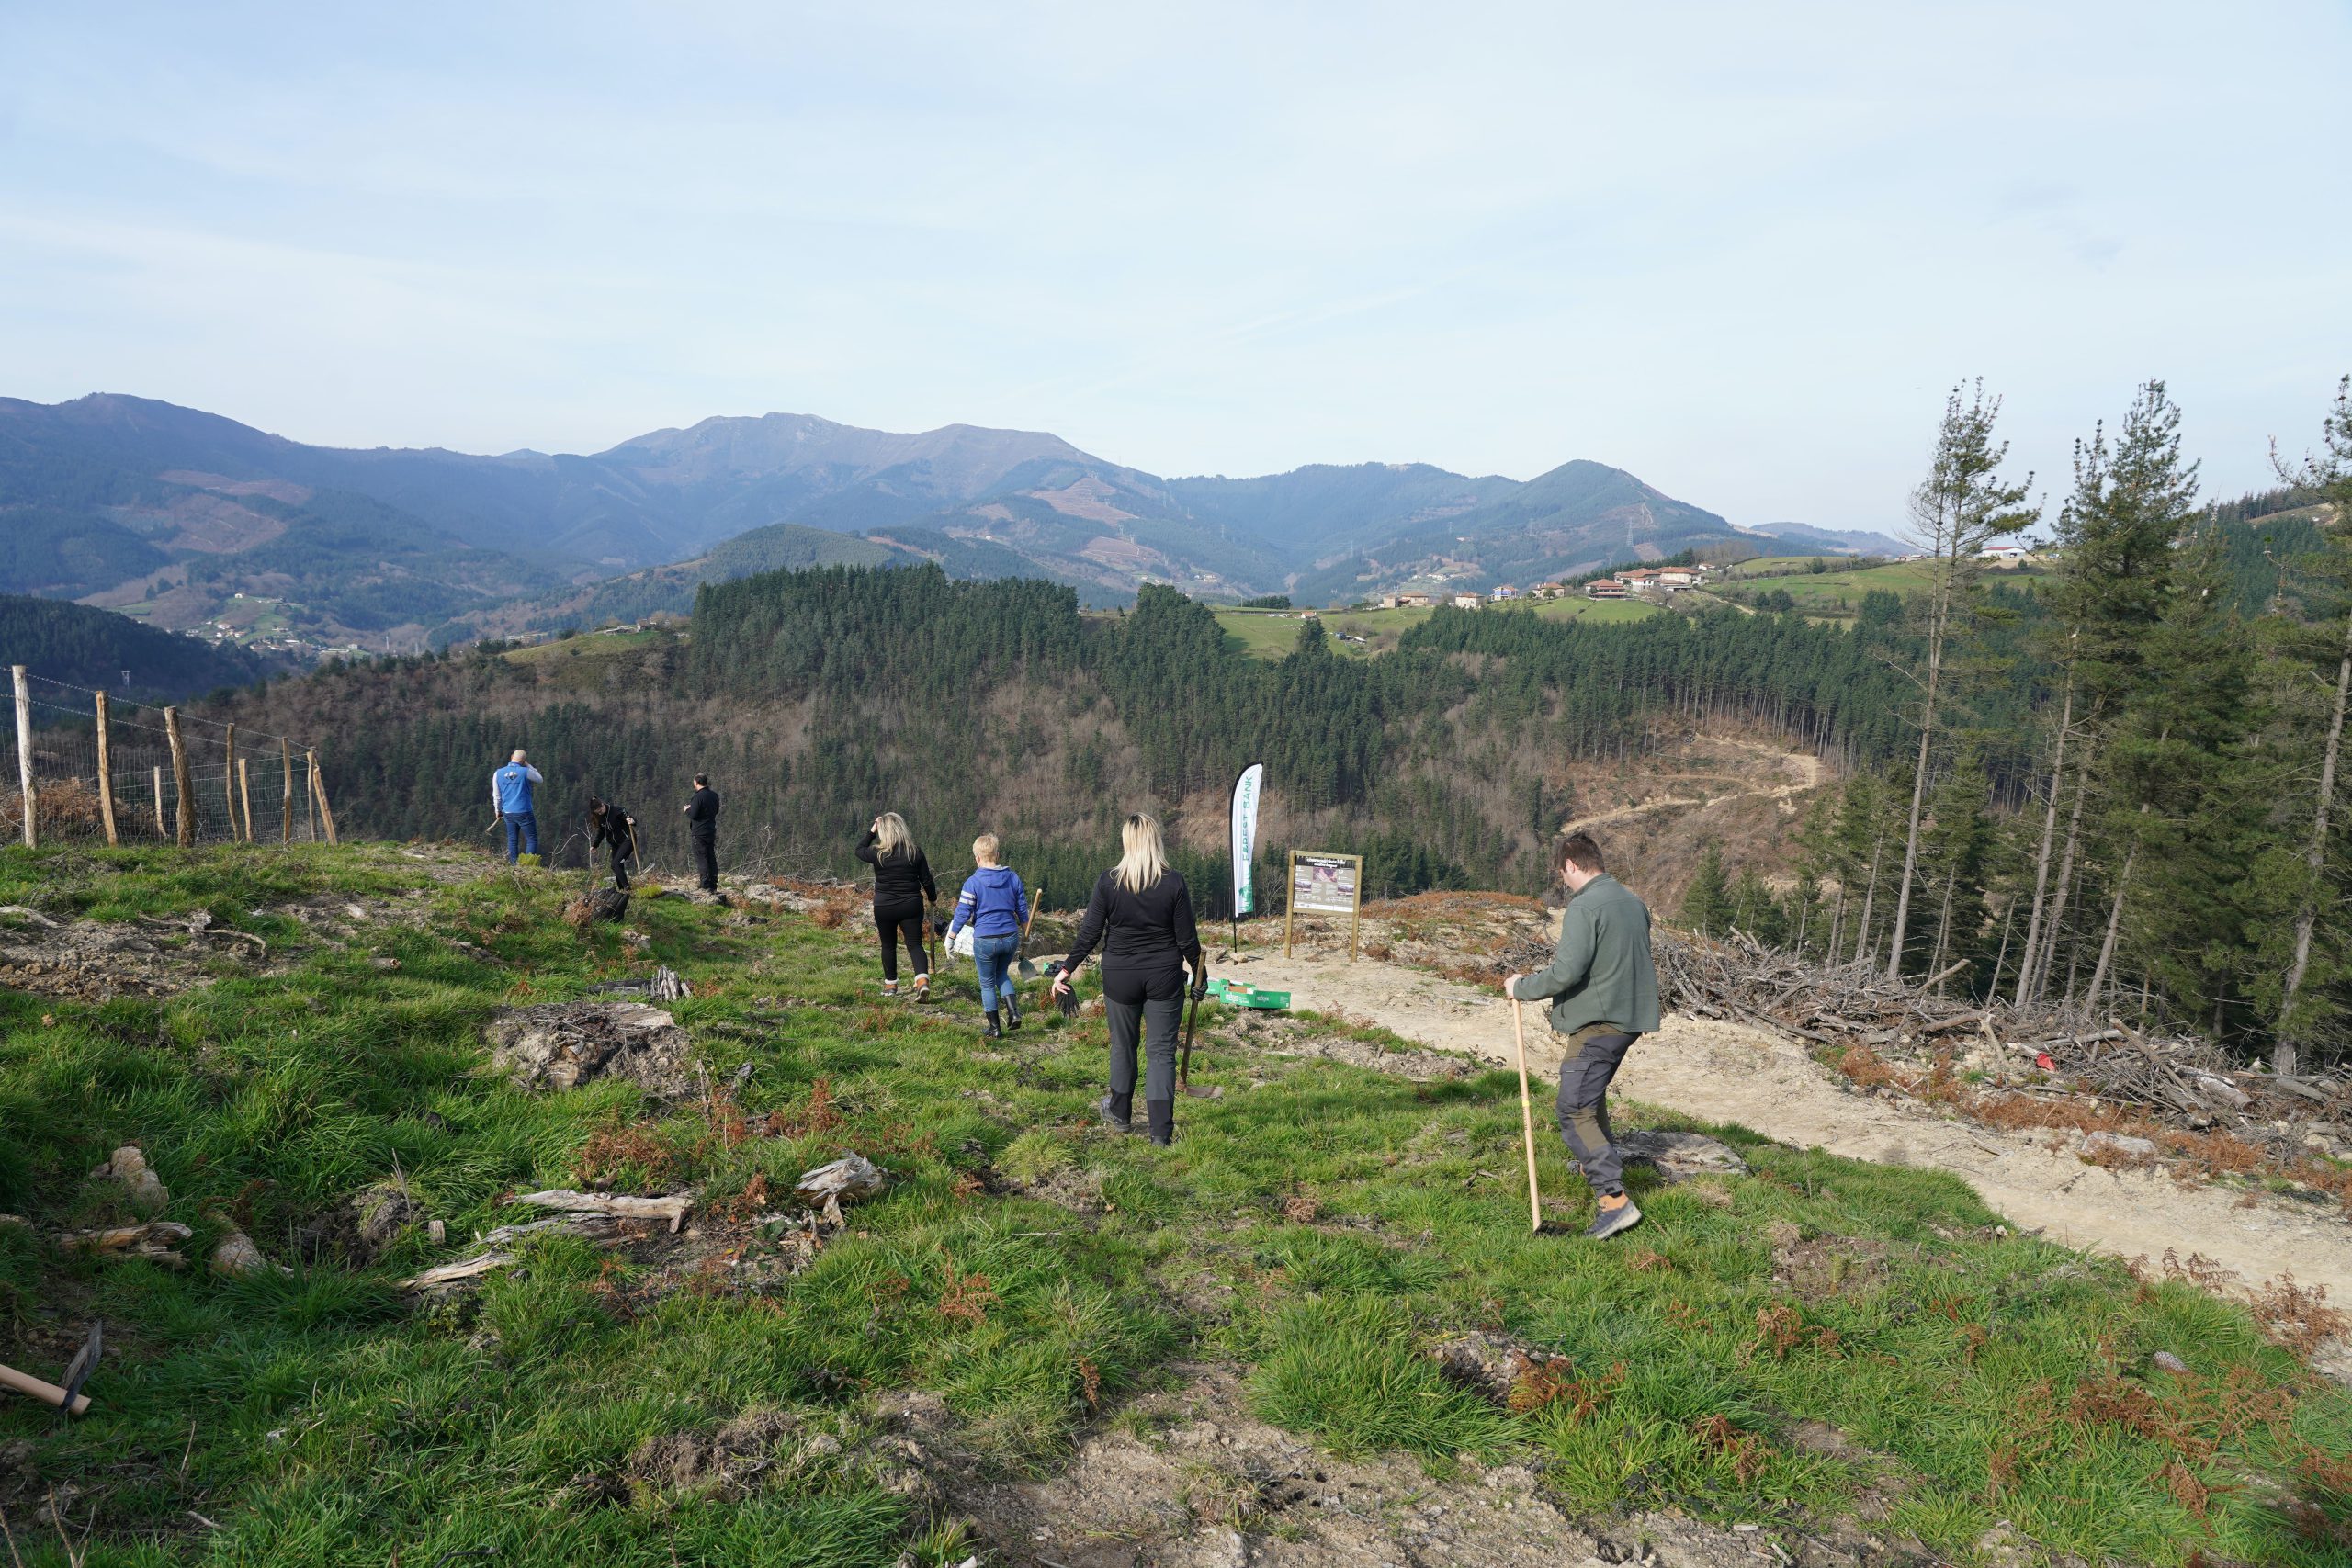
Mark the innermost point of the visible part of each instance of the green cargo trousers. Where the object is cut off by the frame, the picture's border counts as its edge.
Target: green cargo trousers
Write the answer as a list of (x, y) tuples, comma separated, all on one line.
[(1597, 1052)]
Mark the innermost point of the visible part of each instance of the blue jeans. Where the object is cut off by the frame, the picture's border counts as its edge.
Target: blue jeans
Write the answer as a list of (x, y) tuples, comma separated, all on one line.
[(992, 956), (523, 831)]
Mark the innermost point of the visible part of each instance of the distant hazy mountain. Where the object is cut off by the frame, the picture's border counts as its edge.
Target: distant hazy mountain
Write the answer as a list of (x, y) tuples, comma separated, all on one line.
[(1308, 509), (190, 520), (1807, 539)]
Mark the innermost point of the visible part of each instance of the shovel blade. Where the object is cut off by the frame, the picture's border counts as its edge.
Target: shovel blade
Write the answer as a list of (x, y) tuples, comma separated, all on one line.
[(1205, 1091), (1028, 970)]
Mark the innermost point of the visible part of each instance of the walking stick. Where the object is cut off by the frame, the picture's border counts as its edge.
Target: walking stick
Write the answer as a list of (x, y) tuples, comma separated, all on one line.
[(1184, 1063), (1527, 1118)]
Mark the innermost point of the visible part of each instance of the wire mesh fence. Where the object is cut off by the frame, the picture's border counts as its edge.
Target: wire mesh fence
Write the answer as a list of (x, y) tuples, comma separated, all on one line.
[(99, 768)]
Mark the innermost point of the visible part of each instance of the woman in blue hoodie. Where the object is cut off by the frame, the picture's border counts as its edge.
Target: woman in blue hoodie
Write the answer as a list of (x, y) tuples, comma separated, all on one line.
[(996, 906)]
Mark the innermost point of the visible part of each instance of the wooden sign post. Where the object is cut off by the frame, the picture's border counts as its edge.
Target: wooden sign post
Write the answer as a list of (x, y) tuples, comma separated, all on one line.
[(1330, 884)]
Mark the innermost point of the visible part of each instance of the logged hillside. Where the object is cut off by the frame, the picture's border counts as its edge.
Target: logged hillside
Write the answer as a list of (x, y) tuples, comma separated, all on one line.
[(362, 1308)]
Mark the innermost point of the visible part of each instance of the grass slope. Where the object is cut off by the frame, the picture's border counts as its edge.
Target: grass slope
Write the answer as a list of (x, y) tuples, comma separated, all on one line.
[(1837, 593), (324, 1417), (1270, 634)]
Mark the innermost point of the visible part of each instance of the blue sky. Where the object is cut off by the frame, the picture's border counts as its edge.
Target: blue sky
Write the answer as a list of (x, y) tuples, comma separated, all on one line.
[(1741, 250)]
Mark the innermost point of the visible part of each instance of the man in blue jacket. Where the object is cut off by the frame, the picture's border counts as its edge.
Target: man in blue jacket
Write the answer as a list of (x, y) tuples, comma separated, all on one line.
[(510, 792), (996, 906)]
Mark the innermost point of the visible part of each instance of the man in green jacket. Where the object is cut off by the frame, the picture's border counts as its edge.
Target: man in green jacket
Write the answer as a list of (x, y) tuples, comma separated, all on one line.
[(1603, 991)]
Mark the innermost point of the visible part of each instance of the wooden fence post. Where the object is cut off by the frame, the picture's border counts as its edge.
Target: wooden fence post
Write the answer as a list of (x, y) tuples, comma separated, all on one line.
[(183, 789), (25, 754), (163, 823), (319, 793), (286, 807), (106, 775), (229, 781), (245, 793)]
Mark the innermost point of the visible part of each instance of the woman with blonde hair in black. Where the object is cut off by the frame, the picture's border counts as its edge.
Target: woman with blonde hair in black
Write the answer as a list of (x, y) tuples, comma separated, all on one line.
[(1142, 914), (902, 887)]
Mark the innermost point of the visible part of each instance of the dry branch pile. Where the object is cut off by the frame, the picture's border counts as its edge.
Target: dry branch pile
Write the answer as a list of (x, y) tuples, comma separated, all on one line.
[(2110, 1078)]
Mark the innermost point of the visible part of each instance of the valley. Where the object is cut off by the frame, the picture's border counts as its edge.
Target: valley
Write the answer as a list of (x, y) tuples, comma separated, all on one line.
[(194, 523)]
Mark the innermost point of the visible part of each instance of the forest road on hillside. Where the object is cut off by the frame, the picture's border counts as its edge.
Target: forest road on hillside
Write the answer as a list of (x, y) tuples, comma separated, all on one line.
[(1723, 1072), (1807, 768)]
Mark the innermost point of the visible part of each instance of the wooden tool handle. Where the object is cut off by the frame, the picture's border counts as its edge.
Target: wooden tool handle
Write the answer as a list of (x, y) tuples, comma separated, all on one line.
[(49, 1393), (1527, 1118)]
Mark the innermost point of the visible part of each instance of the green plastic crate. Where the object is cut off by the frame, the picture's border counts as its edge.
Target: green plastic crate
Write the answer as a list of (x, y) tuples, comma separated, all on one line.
[(1237, 995)]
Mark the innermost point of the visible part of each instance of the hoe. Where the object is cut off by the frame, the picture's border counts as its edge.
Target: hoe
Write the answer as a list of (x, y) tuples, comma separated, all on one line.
[(70, 1398)]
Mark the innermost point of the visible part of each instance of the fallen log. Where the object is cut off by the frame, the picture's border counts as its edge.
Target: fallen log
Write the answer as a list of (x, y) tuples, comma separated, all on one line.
[(153, 1241), (452, 1273), (592, 1225), (674, 1208)]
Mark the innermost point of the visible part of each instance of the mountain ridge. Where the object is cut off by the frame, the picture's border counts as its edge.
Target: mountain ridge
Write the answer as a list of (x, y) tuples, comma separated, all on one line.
[(129, 501)]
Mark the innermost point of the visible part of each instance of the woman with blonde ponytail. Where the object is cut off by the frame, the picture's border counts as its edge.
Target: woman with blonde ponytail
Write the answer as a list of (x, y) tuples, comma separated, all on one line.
[(1142, 914), (902, 888)]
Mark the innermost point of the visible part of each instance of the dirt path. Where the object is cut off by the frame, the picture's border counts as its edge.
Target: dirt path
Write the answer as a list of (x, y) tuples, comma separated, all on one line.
[(1809, 768), (1730, 1073)]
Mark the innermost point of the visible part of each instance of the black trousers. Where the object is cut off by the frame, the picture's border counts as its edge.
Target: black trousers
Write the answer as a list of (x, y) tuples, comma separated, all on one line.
[(894, 922), (706, 857), (1583, 1109), (1146, 1005), (620, 864)]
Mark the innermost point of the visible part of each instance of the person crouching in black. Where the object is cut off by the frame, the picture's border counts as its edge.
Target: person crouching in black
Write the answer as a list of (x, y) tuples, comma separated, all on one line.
[(609, 825), (902, 887), (702, 825), (1142, 913)]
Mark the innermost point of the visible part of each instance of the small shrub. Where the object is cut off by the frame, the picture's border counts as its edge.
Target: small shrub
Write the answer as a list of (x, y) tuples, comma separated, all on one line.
[(1033, 1156)]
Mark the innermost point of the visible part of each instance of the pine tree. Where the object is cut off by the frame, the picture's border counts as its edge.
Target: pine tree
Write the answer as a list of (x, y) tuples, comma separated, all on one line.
[(2303, 1009), (1960, 508), (1706, 904)]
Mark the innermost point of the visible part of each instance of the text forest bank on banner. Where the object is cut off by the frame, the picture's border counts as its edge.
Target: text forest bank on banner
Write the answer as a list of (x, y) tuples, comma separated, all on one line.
[(1244, 837)]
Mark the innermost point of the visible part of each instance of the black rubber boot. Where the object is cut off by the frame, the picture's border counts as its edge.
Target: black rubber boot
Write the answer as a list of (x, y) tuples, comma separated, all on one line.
[(1162, 1114), (1012, 1008), (993, 1032), (1118, 1111)]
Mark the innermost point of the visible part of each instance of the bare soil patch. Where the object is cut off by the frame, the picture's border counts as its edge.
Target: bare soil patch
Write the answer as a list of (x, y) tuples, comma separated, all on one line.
[(1189, 1478), (1728, 1072)]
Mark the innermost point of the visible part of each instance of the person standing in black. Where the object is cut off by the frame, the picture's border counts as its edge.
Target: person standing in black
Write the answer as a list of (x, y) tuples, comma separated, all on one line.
[(902, 887), (611, 826), (1142, 914), (702, 823)]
